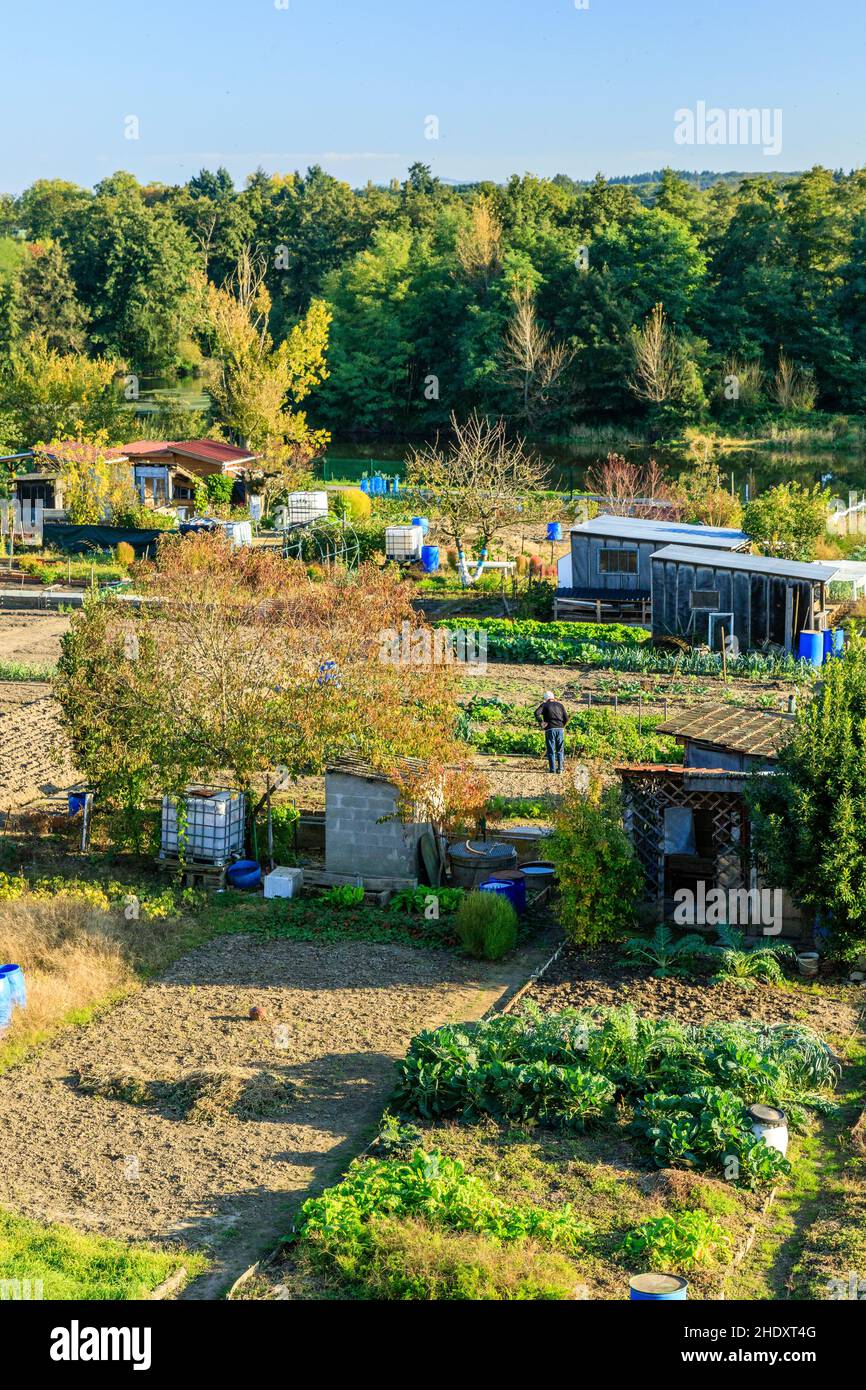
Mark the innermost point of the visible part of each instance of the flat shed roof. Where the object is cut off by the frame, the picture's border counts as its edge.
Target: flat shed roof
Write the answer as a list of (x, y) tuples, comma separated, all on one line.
[(753, 564), (639, 528)]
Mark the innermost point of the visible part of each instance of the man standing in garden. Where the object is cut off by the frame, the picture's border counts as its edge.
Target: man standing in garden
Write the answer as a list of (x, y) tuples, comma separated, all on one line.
[(552, 717)]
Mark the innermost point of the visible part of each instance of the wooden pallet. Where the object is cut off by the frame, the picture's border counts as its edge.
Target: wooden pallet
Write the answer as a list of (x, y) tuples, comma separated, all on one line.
[(209, 876)]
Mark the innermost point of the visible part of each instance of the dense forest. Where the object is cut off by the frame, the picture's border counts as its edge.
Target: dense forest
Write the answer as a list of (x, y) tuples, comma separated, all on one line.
[(547, 301)]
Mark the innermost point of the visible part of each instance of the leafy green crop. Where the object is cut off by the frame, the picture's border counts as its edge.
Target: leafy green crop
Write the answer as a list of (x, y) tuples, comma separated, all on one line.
[(343, 895), (687, 1240), (691, 1086), (669, 955)]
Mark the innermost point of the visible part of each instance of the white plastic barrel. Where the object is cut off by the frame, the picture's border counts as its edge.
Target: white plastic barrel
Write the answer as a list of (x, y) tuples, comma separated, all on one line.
[(771, 1125)]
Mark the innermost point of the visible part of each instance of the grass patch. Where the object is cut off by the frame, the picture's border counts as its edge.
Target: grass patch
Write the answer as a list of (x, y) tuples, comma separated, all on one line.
[(22, 671), (813, 1240), (71, 1265), (208, 1096)]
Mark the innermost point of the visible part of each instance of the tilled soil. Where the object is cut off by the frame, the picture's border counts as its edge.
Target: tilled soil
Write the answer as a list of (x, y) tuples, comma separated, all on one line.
[(34, 765), (337, 1017), (32, 637), (592, 979)]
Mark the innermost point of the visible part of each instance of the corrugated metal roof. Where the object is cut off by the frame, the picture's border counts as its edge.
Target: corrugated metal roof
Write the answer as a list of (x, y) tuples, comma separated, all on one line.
[(757, 732), (753, 564), (639, 528)]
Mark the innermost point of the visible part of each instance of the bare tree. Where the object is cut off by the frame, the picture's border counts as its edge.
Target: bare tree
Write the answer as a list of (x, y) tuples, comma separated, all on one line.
[(632, 489), (532, 360), (477, 484), (658, 374)]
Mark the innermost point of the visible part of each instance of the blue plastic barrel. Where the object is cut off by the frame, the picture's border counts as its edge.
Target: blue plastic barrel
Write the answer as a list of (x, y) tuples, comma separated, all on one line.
[(76, 802), (512, 888), (245, 873), (422, 522), (365, 485), (378, 484), (811, 647), (838, 641), (5, 1005), (14, 977), (658, 1286), (429, 558), (554, 530)]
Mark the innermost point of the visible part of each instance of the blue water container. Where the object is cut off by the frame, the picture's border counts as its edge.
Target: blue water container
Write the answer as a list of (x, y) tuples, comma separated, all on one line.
[(246, 873), (510, 886), (811, 647), (658, 1286), (838, 648), (378, 484), (429, 558), (554, 530), (5, 1005), (365, 485), (14, 977), (422, 522), (76, 801)]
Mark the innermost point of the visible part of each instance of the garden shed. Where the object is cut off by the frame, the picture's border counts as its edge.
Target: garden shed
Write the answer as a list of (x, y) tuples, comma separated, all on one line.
[(726, 737), (609, 563), (690, 830), (364, 837), (697, 594)]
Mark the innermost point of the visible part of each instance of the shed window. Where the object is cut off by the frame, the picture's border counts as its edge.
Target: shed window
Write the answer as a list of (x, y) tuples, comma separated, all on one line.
[(617, 561), (705, 599)]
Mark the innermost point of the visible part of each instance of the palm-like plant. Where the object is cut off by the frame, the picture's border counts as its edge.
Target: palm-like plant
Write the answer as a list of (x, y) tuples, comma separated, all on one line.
[(668, 954), (741, 959)]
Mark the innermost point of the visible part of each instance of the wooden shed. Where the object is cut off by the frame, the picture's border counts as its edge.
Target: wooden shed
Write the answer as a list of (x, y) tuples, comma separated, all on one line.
[(698, 593), (609, 563)]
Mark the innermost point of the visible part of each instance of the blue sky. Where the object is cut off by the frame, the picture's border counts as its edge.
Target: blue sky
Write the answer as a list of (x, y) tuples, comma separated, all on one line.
[(516, 85)]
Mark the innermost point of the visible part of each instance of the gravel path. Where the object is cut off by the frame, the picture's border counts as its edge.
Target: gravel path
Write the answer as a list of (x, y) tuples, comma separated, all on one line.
[(337, 1017)]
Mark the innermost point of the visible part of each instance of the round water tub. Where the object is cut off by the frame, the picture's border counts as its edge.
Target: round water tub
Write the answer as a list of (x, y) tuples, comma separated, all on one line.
[(539, 873), (472, 861), (244, 873)]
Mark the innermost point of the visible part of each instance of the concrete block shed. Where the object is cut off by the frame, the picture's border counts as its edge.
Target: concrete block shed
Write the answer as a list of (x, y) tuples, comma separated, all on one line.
[(363, 835)]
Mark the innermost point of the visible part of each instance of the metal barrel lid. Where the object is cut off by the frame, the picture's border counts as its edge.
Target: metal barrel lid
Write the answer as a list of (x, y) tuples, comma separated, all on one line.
[(657, 1284), (768, 1115)]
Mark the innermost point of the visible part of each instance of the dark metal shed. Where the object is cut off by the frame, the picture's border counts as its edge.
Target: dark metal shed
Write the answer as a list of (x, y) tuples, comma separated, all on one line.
[(698, 593)]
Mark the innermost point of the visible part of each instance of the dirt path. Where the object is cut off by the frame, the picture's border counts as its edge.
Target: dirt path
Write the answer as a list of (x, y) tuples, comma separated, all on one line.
[(337, 1018), (33, 765), (32, 637)]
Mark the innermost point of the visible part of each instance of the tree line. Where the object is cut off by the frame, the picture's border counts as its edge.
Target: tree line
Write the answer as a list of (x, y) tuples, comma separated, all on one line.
[(543, 301)]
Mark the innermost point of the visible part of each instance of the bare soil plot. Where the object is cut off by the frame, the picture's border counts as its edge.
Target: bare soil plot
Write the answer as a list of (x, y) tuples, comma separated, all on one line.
[(592, 979), (32, 637), (34, 765), (337, 1017)]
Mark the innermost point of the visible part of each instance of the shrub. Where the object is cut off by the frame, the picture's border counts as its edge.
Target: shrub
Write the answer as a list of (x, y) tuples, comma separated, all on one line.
[(353, 503), (124, 554), (599, 876), (486, 925), (689, 1240)]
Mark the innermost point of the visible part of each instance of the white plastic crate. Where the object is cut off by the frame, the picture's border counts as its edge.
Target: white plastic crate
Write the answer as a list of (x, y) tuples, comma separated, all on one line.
[(214, 829), (284, 882), (403, 542), (303, 507)]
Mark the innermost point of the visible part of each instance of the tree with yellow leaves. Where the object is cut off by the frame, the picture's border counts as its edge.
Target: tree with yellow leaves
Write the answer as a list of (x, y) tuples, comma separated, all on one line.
[(257, 384)]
